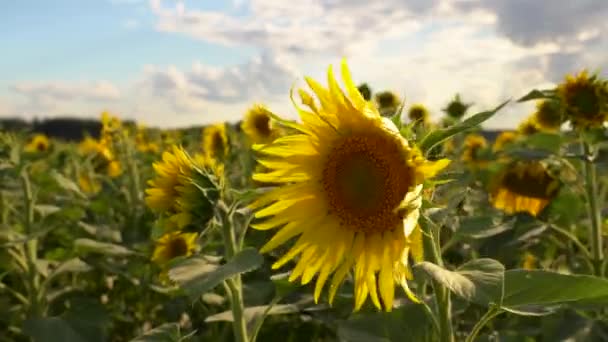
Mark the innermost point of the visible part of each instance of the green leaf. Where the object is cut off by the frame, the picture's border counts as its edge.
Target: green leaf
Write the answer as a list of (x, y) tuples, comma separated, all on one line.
[(480, 227), (538, 95), (46, 209), (436, 137), (67, 184), (534, 290), (544, 141), (162, 333), (410, 322), (74, 265), (479, 281), (51, 329), (101, 232), (197, 275), (85, 246), (256, 311)]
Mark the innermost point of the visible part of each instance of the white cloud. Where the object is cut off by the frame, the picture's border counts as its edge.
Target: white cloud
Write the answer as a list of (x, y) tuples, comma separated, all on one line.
[(131, 24), (65, 91)]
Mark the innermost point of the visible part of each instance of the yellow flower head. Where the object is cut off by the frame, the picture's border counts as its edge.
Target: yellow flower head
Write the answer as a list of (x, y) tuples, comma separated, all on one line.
[(172, 245), (474, 144), (350, 192), (529, 261), (387, 102), (38, 143), (175, 190), (528, 126), (215, 142), (88, 185), (504, 139), (258, 125), (524, 186), (456, 108), (585, 99), (548, 115), (418, 113), (102, 157), (110, 123)]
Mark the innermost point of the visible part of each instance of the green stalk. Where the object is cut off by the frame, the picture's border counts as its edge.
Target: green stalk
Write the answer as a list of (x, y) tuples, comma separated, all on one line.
[(30, 247), (487, 317), (239, 324), (442, 294), (595, 229)]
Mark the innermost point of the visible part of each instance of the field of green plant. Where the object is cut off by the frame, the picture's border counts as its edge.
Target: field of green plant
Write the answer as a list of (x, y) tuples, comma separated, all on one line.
[(360, 221)]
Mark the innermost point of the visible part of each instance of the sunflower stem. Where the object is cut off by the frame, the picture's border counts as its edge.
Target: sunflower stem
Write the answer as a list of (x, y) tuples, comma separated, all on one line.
[(595, 229), (234, 284), (442, 294), (487, 317)]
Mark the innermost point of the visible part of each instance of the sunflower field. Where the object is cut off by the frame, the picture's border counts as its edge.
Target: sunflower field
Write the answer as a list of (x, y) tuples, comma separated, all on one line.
[(360, 221)]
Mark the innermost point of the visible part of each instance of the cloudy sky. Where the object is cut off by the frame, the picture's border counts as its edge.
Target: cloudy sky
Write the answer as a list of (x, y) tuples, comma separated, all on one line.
[(174, 63)]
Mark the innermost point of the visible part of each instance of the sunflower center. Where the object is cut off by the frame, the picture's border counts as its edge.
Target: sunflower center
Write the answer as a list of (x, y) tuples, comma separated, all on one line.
[(40, 146), (530, 180), (365, 178), (178, 247), (585, 99), (262, 125), (218, 144)]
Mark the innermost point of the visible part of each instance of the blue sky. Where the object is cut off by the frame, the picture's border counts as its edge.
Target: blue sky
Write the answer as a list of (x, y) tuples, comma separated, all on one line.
[(202, 61)]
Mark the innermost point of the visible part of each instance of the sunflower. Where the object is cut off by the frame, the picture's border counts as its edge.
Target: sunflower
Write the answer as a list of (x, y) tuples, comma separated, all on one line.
[(257, 125), (181, 189), (504, 139), (88, 184), (585, 99), (38, 143), (528, 126), (215, 142), (548, 115), (418, 113), (387, 102), (351, 192), (102, 157), (172, 245), (474, 144), (142, 141), (109, 123), (456, 108), (529, 261), (524, 186)]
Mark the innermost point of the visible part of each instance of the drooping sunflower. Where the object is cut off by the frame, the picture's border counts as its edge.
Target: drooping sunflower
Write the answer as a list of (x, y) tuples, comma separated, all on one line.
[(257, 125), (38, 143), (215, 142), (418, 113), (524, 186), (585, 99), (548, 115), (387, 102), (504, 139), (528, 127), (175, 191), (474, 144), (101, 156), (172, 245), (351, 193), (456, 108)]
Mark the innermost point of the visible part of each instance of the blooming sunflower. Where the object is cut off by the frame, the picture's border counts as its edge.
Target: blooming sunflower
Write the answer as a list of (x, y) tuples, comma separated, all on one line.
[(176, 189), (88, 184), (548, 115), (418, 113), (524, 186), (474, 144), (529, 261), (528, 126), (257, 125), (350, 192), (387, 102), (585, 99), (504, 139), (102, 157), (215, 142), (456, 108), (38, 143), (172, 245)]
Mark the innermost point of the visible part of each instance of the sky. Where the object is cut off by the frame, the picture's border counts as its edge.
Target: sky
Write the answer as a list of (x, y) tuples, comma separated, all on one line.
[(171, 63)]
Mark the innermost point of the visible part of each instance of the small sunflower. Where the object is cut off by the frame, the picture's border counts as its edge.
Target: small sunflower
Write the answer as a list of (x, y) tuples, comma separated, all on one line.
[(38, 143), (504, 139), (88, 184), (387, 102), (585, 99), (418, 113), (528, 126), (351, 193), (215, 142), (102, 157), (257, 125), (456, 108), (548, 115), (181, 189), (474, 144), (529, 261), (524, 186), (109, 123), (172, 245), (142, 141)]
